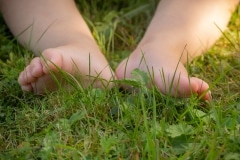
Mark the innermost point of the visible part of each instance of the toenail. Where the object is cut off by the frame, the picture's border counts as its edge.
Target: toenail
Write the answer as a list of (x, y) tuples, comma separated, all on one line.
[(210, 94)]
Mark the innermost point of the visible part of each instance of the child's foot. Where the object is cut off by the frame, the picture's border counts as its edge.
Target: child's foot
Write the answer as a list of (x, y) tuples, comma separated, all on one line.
[(173, 26), (162, 64), (73, 59)]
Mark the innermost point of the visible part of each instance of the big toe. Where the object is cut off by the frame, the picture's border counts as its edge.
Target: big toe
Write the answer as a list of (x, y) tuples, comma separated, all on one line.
[(202, 89), (51, 60), (185, 87)]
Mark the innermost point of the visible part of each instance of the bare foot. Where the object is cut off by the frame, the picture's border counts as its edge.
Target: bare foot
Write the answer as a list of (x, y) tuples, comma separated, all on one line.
[(73, 59), (162, 68), (174, 25)]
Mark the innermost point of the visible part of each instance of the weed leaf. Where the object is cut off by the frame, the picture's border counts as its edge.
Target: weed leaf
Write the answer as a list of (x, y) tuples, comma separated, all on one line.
[(176, 130), (141, 76)]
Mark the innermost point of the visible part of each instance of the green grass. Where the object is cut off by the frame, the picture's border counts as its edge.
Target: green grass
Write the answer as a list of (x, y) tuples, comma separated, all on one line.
[(115, 124)]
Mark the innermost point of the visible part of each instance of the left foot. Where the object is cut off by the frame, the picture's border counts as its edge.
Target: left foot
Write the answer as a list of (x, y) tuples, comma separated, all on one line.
[(174, 25), (168, 74)]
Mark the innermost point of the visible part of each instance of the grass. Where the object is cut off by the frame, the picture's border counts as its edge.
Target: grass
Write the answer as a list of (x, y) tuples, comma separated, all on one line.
[(113, 124)]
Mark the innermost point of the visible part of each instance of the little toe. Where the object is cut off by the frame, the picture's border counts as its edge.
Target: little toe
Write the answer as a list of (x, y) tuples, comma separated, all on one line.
[(25, 77), (31, 72), (27, 88), (21, 79)]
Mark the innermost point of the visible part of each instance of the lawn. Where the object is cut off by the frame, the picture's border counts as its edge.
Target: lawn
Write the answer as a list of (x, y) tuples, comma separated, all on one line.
[(140, 123)]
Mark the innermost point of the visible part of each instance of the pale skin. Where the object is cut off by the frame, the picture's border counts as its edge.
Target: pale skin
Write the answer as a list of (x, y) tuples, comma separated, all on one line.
[(179, 31)]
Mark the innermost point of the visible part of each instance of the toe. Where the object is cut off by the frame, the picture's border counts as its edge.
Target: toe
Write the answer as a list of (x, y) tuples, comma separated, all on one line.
[(26, 77), (27, 88), (181, 86), (51, 60), (36, 67), (21, 79), (187, 87), (31, 72), (202, 89)]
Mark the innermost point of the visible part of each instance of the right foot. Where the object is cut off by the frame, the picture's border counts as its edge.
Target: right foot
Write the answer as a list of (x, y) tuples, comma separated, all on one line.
[(73, 59)]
